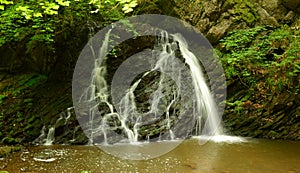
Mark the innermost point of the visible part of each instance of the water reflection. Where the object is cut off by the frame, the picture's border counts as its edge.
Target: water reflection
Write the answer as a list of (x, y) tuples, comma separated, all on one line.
[(140, 151), (189, 157)]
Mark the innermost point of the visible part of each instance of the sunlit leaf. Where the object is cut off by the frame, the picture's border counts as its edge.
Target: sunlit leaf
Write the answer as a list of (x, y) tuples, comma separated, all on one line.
[(37, 15), (63, 3), (17, 34), (133, 4), (127, 8), (95, 11), (55, 7), (6, 2), (27, 16), (22, 8)]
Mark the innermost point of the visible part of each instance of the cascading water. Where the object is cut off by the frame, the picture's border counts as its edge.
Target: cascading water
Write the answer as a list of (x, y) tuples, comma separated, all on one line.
[(60, 123), (50, 136), (205, 104), (164, 101)]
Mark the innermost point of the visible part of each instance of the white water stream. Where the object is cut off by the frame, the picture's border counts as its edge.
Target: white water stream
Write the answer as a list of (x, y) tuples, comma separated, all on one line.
[(204, 112)]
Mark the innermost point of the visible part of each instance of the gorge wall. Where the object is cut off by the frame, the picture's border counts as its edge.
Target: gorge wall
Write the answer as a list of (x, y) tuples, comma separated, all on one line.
[(253, 109)]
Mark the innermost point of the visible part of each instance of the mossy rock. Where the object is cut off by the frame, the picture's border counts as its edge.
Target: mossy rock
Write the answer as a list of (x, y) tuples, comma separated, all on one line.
[(272, 134), (244, 11), (267, 125), (257, 133), (9, 141), (6, 150), (248, 121)]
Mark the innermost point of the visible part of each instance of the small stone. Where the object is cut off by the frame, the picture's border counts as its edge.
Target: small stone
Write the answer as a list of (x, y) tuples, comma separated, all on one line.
[(289, 104), (191, 165)]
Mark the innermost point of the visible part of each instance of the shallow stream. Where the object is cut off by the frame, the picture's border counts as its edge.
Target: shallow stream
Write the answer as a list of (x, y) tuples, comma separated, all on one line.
[(253, 156)]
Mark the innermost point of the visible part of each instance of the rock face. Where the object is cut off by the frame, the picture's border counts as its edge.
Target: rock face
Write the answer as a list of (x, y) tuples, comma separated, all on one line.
[(218, 17), (35, 105), (31, 104), (276, 116), (292, 4)]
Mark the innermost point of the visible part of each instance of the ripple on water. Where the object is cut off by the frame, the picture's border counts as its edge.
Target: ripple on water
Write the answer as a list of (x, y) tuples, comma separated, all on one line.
[(49, 155), (189, 156)]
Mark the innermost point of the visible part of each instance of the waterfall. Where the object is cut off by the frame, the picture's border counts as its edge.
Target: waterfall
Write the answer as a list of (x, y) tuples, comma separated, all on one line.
[(50, 136), (205, 103), (164, 101), (62, 125)]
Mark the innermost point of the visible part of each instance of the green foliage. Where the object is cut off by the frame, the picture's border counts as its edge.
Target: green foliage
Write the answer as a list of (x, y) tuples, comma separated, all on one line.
[(39, 21), (30, 21), (241, 39), (241, 54), (263, 53), (28, 81), (237, 105), (126, 5), (3, 3), (285, 69), (2, 97)]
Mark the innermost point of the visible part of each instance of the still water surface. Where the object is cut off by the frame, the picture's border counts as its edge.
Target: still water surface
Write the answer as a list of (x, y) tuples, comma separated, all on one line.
[(253, 156)]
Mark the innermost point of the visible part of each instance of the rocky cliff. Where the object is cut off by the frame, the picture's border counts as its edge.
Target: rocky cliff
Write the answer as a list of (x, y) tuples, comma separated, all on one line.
[(263, 93)]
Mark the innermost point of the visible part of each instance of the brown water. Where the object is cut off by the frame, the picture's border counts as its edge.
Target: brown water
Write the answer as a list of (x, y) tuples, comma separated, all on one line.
[(254, 156)]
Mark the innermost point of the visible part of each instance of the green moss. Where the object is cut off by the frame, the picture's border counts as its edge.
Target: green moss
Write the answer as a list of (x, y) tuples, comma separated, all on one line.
[(272, 134), (35, 81), (284, 133), (27, 81), (6, 150), (9, 140), (235, 106), (257, 133), (244, 10), (24, 78), (2, 97), (252, 118), (267, 125)]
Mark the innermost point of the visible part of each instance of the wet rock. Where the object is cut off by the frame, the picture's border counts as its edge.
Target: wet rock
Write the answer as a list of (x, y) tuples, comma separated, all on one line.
[(10, 61), (291, 4)]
